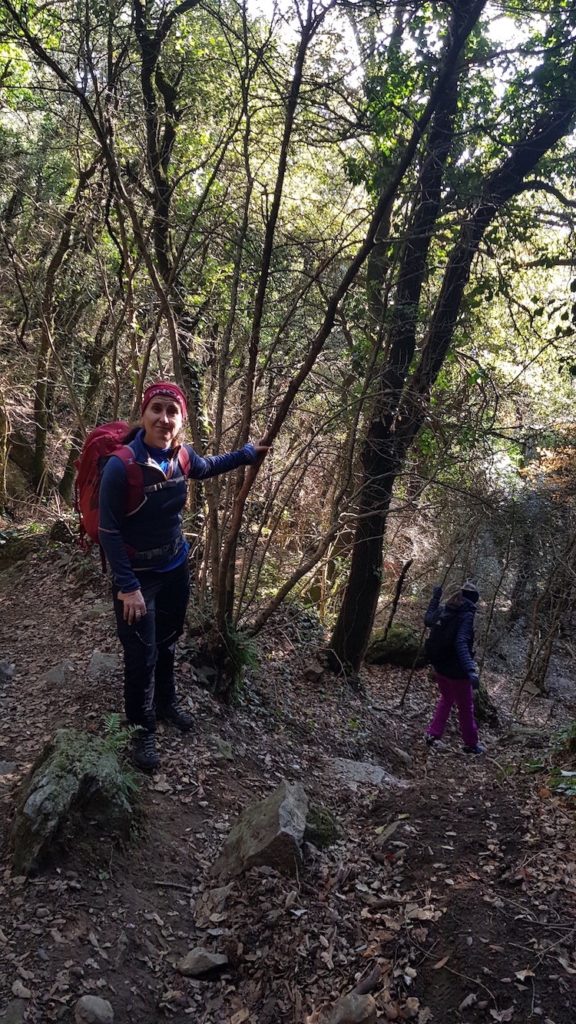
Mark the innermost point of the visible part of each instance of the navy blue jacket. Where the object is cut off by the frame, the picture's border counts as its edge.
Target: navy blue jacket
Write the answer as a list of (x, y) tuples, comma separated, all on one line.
[(151, 537), (458, 663)]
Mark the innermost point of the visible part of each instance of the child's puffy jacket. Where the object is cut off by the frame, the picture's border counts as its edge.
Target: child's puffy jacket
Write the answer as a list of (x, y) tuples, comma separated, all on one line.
[(458, 660)]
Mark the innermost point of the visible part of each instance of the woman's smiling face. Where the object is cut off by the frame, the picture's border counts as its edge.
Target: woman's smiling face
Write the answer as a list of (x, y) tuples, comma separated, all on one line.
[(162, 422)]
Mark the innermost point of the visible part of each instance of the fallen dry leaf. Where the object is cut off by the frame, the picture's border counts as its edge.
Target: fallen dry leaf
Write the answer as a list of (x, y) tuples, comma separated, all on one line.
[(441, 963)]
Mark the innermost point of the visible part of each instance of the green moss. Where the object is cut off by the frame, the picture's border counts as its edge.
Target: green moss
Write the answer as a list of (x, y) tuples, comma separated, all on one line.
[(321, 827)]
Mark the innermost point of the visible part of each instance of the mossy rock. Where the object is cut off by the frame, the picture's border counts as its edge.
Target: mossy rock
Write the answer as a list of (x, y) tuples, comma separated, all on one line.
[(63, 531), (321, 827), (14, 547), (400, 646), (76, 784)]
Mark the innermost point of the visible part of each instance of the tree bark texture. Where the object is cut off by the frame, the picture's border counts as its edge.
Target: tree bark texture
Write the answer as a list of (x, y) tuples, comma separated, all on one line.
[(392, 433)]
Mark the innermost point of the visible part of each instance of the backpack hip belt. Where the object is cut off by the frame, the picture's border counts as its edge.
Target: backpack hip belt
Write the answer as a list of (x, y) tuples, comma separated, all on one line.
[(171, 550)]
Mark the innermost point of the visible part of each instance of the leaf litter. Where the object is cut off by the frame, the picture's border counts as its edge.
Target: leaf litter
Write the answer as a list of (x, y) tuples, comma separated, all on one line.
[(459, 890)]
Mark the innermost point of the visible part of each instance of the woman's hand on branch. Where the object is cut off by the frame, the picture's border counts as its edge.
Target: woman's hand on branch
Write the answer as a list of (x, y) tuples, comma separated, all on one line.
[(261, 451)]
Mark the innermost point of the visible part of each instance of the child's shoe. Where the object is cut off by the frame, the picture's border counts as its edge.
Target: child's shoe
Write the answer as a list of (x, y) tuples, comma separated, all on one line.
[(433, 743), (479, 748)]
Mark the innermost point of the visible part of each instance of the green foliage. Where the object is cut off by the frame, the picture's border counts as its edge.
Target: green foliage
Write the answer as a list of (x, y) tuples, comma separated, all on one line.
[(241, 654), (84, 754), (321, 827), (564, 744), (563, 781), (559, 762)]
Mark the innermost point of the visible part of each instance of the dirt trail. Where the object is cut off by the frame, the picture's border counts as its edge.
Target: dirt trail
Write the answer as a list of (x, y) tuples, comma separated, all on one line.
[(461, 887)]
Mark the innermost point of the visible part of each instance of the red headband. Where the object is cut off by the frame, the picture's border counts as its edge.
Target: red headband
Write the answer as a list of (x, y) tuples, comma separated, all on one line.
[(166, 388)]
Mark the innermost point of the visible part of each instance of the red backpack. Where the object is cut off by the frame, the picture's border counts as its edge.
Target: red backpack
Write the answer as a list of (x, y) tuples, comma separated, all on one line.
[(100, 444)]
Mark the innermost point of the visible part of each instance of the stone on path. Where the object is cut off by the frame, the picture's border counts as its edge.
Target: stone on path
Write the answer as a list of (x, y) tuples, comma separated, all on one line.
[(101, 665), (6, 671), (20, 991), (7, 767), (59, 675), (361, 773), (200, 961), (314, 670), (353, 1009), (268, 832), (96, 610), (93, 1010), (212, 901), (224, 750), (14, 1013)]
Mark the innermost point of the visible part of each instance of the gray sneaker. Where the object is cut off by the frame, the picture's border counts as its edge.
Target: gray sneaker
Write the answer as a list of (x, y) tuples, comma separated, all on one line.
[(433, 743)]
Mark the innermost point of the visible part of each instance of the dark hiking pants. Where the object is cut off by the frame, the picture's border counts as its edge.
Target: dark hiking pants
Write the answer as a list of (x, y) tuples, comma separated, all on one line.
[(150, 644)]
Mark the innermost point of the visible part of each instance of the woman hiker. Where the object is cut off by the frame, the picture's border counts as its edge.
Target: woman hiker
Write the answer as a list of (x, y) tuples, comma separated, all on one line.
[(450, 648), (148, 556)]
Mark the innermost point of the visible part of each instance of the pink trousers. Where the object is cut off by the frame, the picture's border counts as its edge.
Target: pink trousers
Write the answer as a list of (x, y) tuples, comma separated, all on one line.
[(460, 693)]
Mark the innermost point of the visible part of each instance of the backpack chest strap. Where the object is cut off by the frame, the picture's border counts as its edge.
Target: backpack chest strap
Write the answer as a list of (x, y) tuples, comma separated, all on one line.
[(162, 484)]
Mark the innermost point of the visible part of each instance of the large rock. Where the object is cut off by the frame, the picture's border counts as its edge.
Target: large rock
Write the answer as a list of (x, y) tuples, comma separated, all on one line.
[(353, 1009), (268, 832), (362, 773), (76, 780), (399, 646), (93, 1010), (200, 961)]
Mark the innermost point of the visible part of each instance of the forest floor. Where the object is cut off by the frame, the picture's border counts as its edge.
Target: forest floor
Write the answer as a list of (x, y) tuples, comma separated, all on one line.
[(461, 887)]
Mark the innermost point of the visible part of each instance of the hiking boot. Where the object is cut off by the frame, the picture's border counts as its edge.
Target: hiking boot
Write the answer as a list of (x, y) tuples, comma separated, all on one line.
[(176, 716), (433, 743), (144, 753), (479, 748)]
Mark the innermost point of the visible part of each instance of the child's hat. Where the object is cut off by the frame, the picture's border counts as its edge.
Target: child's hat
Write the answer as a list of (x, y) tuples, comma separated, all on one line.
[(470, 590)]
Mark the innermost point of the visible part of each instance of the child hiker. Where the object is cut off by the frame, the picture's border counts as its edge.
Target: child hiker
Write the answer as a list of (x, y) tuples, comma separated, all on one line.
[(450, 650)]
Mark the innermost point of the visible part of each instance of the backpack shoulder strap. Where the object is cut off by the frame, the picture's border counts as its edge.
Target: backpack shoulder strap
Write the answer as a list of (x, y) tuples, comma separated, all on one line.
[(184, 460), (134, 478)]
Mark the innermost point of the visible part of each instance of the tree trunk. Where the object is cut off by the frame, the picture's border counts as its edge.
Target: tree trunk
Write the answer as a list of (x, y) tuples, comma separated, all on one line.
[(43, 360), (392, 433)]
